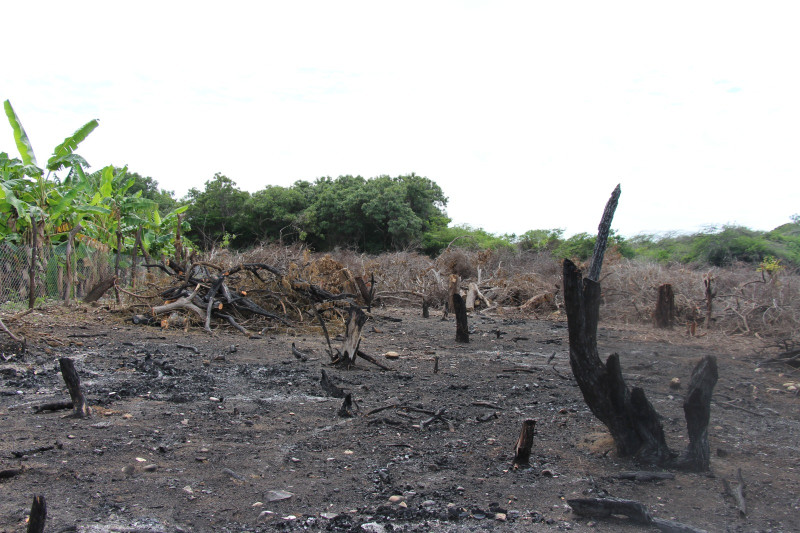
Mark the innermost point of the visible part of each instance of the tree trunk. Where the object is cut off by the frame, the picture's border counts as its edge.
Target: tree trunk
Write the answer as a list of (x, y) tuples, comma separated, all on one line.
[(116, 262), (70, 250), (664, 315), (460, 310), (32, 267)]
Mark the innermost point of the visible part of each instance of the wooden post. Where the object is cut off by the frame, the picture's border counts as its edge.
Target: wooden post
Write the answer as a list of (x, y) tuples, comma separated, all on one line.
[(426, 308), (38, 514), (32, 266), (462, 329), (522, 451), (664, 315), (355, 322), (80, 409)]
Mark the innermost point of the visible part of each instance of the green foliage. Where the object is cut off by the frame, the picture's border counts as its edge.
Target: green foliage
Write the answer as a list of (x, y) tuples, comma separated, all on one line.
[(538, 240), (463, 236), (215, 211)]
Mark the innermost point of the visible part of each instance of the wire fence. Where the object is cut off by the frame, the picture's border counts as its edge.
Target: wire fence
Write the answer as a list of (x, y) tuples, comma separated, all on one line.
[(54, 281)]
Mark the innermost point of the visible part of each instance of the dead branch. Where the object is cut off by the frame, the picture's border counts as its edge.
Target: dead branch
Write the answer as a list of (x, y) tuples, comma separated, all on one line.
[(737, 493)]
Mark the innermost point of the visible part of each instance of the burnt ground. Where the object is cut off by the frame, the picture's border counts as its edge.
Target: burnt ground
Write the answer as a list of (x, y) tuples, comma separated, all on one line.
[(185, 441)]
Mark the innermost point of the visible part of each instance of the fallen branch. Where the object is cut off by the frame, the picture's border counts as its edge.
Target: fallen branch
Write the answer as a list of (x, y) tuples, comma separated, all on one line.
[(737, 493), (297, 353), (53, 406), (8, 331), (635, 511)]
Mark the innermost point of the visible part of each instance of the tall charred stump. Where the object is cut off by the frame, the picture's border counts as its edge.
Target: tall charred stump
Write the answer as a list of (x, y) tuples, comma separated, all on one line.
[(629, 416), (460, 310), (664, 316)]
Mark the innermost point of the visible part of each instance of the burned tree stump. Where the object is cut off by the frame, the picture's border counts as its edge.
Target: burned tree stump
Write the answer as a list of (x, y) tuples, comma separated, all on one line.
[(355, 323), (522, 451), (80, 409), (664, 315), (38, 514), (462, 328), (629, 416), (697, 409)]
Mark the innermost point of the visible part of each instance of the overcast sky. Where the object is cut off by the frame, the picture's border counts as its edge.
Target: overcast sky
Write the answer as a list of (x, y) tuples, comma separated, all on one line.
[(527, 114)]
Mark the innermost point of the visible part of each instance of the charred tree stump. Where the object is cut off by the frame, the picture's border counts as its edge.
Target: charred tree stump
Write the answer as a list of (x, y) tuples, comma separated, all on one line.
[(630, 418), (355, 323), (710, 293), (367, 293), (522, 451), (426, 308), (697, 409), (664, 315), (38, 514), (80, 409), (460, 310)]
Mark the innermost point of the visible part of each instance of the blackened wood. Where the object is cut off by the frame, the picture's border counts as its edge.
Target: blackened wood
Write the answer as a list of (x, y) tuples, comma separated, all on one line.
[(298, 354), (99, 289), (367, 293), (329, 388), (38, 514), (602, 235), (635, 511), (664, 315), (10, 472), (53, 406), (347, 408), (522, 451), (710, 293), (355, 323), (629, 416), (645, 476), (80, 409), (436, 365), (425, 308), (460, 309), (697, 409), (737, 493), (372, 360)]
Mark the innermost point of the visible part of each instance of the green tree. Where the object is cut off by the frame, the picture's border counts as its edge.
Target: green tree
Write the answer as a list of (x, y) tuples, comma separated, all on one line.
[(216, 214)]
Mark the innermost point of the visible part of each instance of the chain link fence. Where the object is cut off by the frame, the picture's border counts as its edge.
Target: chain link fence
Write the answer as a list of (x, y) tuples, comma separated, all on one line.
[(51, 273)]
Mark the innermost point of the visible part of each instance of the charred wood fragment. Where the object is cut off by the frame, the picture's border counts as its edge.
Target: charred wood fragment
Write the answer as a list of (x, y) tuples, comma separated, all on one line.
[(329, 388), (38, 515), (355, 323), (697, 409), (522, 451), (53, 406)]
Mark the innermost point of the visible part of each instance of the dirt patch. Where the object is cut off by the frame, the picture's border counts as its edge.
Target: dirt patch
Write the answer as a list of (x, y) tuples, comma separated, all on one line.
[(227, 433)]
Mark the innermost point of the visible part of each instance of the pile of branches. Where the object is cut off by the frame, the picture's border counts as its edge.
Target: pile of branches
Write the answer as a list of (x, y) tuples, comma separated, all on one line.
[(243, 294)]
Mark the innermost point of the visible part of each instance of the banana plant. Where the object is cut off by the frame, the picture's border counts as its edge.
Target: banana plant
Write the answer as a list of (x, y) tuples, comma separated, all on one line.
[(28, 193)]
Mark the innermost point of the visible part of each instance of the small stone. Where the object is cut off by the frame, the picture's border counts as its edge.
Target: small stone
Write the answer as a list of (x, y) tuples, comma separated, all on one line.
[(548, 473), (141, 459), (500, 517), (428, 503), (266, 514), (391, 355), (188, 490), (290, 517), (295, 460), (396, 498), (128, 470), (404, 505), (460, 489), (328, 516), (257, 504), (373, 527), (232, 348), (675, 383), (151, 468), (278, 495)]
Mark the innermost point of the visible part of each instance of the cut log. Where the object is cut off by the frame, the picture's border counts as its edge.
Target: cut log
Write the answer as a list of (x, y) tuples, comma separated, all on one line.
[(355, 323), (80, 409), (522, 451), (697, 409), (462, 328), (38, 515), (664, 315), (100, 289)]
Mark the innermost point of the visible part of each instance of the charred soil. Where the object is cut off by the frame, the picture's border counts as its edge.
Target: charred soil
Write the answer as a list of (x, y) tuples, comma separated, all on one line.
[(193, 432)]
